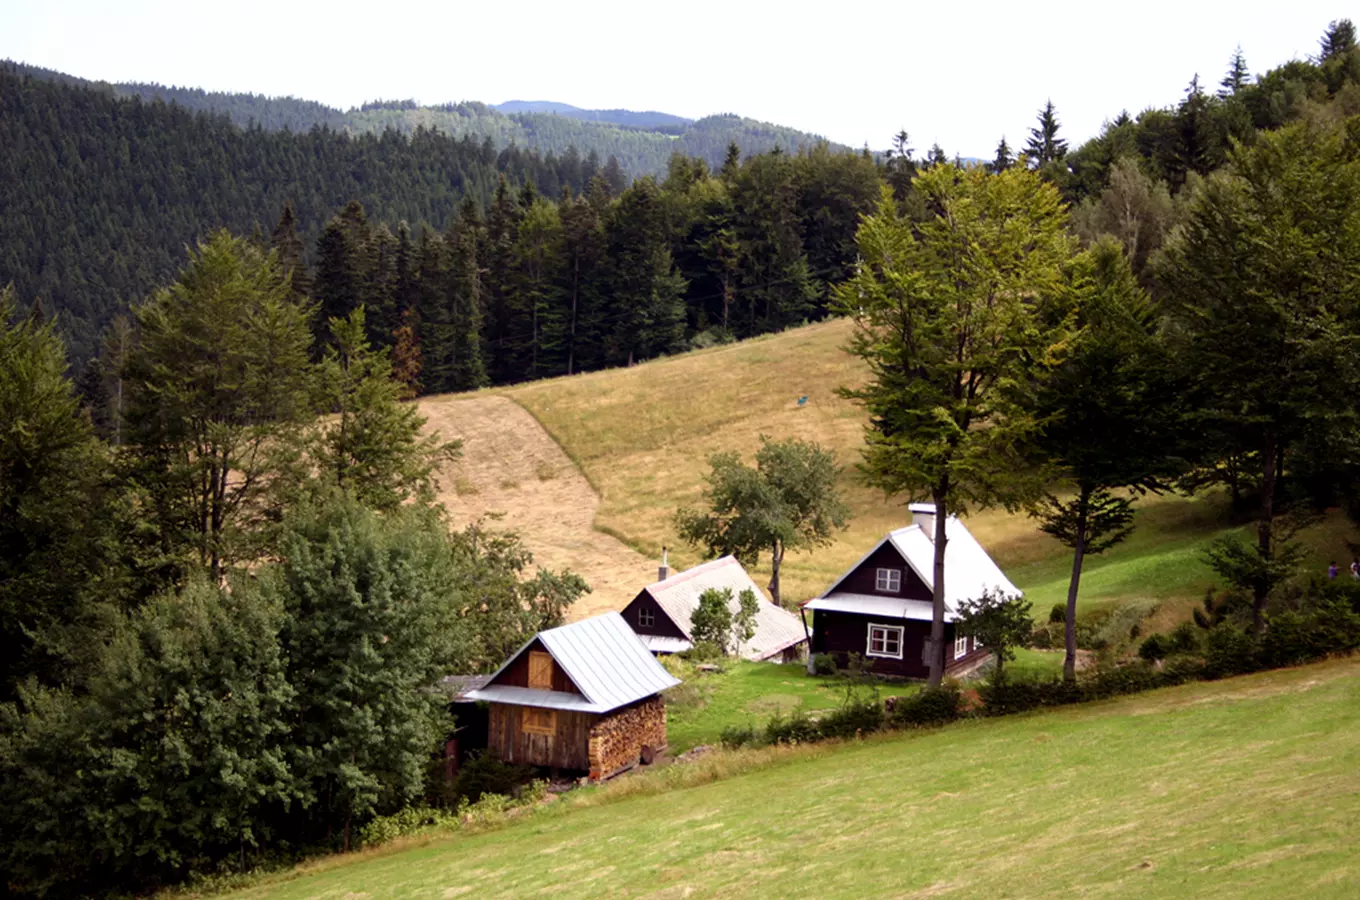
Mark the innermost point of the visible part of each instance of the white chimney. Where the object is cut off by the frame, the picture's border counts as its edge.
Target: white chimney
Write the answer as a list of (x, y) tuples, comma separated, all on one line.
[(664, 571), (923, 514)]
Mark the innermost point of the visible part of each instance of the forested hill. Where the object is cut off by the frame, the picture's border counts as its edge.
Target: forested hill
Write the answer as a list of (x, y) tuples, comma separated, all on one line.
[(642, 142), (102, 194)]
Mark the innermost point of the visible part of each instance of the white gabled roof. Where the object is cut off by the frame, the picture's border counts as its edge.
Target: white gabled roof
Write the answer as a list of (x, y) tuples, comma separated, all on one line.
[(602, 657), (777, 629), (968, 570), (872, 605)]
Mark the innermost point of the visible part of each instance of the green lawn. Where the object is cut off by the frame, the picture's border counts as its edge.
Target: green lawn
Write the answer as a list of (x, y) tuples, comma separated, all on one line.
[(1238, 788)]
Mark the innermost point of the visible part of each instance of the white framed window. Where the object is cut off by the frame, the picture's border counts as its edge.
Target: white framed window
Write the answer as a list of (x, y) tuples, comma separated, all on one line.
[(646, 618), (960, 646), (888, 580), (884, 641)]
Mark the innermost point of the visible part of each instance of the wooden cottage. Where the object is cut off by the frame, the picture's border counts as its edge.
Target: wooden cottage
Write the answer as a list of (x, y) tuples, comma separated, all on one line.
[(661, 612), (584, 697), (882, 607)]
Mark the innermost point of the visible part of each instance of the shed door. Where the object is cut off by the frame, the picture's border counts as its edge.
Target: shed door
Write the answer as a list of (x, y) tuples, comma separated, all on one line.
[(540, 670)]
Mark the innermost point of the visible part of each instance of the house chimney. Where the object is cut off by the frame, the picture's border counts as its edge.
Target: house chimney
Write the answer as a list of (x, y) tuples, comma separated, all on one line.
[(664, 571), (923, 514)]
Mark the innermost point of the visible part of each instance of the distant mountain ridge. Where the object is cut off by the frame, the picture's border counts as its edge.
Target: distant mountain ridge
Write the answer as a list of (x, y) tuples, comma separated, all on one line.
[(642, 141)]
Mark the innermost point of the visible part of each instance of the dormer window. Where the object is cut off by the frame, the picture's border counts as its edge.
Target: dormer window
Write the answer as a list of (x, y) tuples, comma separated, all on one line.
[(646, 618), (889, 581)]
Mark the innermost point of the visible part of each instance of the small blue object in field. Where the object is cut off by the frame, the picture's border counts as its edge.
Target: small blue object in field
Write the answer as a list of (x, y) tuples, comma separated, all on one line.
[(802, 401)]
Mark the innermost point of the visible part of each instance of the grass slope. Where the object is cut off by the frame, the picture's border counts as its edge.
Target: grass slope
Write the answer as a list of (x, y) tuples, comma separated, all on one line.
[(1237, 788), (642, 436)]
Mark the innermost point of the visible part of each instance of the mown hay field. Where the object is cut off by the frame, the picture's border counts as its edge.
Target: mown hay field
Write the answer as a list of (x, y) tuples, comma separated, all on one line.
[(1239, 788)]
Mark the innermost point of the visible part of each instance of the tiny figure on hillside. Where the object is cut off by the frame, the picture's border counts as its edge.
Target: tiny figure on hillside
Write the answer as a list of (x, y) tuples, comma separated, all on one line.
[(1331, 571), (1355, 566)]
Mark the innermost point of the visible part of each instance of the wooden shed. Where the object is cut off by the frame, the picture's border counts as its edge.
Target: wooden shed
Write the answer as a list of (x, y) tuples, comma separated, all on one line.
[(881, 608), (584, 697)]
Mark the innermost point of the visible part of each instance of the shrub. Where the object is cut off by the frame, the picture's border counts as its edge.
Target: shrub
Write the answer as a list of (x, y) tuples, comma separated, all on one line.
[(1002, 697), (1185, 639), (932, 706), (1153, 648), (704, 651), (486, 774), (1128, 679), (1058, 614), (1228, 650), (1181, 668), (796, 729), (734, 736), (857, 716), (824, 664)]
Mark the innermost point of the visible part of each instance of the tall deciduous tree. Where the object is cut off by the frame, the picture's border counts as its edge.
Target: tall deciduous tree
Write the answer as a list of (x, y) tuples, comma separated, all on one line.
[(1109, 408), (219, 389), (52, 474), (788, 501), (1263, 280), (950, 316)]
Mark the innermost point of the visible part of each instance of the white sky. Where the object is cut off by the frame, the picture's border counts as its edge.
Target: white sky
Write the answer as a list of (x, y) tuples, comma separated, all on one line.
[(957, 73)]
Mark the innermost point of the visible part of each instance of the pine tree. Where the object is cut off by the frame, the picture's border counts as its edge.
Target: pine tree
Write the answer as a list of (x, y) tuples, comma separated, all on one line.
[(463, 297), (646, 309), (499, 262), (288, 245), (775, 288), (614, 177), (1044, 145), (731, 162), (901, 168), (1004, 158), (1238, 77), (341, 285), (1338, 40)]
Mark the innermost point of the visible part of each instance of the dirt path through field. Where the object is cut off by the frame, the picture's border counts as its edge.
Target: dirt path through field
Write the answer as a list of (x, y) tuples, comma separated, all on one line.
[(512, 466)]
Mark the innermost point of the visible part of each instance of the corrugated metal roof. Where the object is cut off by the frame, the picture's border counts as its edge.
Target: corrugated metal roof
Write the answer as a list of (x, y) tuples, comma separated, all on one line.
[(872, 605), (661, 644), (776, 629), (969, 570), (602, 657)]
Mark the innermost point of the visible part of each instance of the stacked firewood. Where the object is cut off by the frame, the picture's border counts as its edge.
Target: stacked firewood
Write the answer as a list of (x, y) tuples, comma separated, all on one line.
[(617, 740)]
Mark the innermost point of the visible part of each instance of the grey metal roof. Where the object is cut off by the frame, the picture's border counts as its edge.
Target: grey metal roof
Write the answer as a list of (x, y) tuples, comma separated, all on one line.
[(457, 686), (776, 628), (602, 657)]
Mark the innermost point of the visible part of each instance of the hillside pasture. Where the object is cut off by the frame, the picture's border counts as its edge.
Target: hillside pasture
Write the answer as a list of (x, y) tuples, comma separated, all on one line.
[(1237, 788)]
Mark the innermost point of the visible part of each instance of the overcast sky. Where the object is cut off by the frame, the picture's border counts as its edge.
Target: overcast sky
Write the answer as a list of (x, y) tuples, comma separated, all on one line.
[(961, 74)]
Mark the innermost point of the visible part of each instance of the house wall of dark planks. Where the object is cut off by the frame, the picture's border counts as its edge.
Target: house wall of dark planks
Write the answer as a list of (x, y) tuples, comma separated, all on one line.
[(661, 623), (863, 579), (841, 634)]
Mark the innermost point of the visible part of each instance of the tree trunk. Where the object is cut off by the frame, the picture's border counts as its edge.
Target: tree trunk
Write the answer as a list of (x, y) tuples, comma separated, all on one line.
[(776, 558), (1265, 529), (937, 613), (1070, 618)]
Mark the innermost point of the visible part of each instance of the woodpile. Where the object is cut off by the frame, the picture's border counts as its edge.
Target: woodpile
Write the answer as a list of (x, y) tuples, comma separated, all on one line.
[(617, 739)]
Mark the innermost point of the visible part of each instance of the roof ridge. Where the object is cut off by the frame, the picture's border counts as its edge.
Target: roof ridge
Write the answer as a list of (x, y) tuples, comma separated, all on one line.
[(684, 576)]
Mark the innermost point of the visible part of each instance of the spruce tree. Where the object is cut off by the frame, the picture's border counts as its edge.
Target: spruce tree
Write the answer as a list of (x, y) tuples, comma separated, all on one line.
[(1238, 76), (288, 246), (1044, 145), (1004, 158), (463, 292), (1338, 40)]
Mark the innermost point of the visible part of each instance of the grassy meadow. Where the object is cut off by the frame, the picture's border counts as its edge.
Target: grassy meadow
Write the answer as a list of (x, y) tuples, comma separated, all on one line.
[(642, 436), (1244, 787)]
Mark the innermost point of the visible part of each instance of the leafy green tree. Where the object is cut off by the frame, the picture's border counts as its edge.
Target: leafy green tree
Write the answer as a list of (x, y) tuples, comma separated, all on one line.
[(511, 606), (1111, 413), (951, 314), (1000, 622), (219, 389), (744, 621), (53, 487), (788, 501), (1262, 282), (1134, 208), (372, 447), (1044, 145), (373, 619), (711, 621), (175, 759)]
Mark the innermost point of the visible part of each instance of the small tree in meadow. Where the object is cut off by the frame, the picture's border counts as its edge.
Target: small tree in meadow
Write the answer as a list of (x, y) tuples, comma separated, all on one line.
[(744, 622), (712, 621), (1001, 622)]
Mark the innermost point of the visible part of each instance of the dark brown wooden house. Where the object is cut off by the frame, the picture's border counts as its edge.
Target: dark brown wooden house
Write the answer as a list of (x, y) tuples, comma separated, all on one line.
[(585, 697), (661, 612), (881, 608)]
